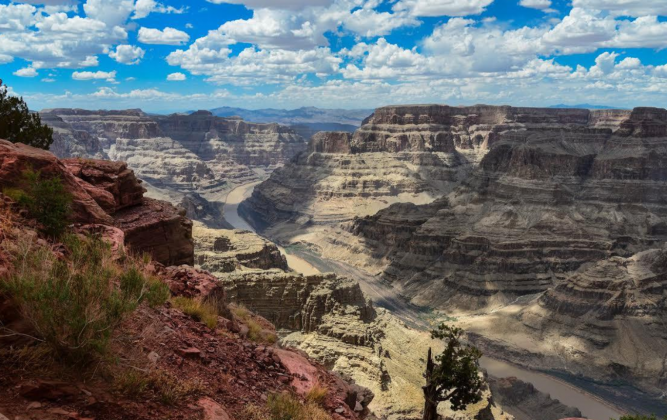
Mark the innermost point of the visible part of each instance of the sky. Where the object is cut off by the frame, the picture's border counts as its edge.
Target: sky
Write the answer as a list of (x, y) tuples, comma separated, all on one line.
[(169, 55)]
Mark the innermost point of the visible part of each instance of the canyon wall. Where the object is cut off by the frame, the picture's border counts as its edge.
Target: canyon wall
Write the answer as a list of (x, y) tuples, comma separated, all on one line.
[(196, 157), (544, 240)]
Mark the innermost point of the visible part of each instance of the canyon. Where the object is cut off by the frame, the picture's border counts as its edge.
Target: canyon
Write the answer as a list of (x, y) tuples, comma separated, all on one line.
[(194, 159), (537, 230)]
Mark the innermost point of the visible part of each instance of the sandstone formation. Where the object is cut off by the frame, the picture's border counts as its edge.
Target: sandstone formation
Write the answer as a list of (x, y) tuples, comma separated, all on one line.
[(172, 365), (107, 193), (177, 155), (544, 200), (540, 215), (159, 229), (224, 251), (524, 402)]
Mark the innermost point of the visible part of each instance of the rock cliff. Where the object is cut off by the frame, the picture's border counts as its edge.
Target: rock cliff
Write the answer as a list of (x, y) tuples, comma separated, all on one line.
[(107, 193), (176, 155), (224, 251), (544, 201), (546, 229)]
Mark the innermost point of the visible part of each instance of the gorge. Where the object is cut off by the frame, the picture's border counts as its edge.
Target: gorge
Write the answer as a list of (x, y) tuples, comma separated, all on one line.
[(507, 221)]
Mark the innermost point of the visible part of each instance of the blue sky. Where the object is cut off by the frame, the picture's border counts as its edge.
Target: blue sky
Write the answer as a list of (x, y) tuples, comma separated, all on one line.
[(168, 55)]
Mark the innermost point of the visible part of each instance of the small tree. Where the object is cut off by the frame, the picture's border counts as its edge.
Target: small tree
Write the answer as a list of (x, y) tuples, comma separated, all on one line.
[(19, 125), (453, 376)]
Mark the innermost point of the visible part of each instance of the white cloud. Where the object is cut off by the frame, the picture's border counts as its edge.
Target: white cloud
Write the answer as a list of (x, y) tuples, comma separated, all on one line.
[(625, 7), (48, 80), (145, 7), (26, 72), (544, 5), (111, 12), (60, 41), (176, 77), (4, 59), (443, 7), (276, 4), (16, 17), (168, 36), (127, 54), (252, 66), (98, 75)]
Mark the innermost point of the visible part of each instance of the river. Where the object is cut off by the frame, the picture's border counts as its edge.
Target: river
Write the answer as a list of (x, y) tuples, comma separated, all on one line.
[(383, 296)]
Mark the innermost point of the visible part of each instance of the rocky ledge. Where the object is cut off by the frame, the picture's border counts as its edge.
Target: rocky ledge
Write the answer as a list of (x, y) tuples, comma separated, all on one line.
[(224, 251), (107, 193)]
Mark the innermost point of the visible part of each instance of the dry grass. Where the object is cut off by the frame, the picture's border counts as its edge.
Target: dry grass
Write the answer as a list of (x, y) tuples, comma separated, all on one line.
[(75, 303), (167, 388), (317, 394), (256, 332), (285, 407), (206, 312)]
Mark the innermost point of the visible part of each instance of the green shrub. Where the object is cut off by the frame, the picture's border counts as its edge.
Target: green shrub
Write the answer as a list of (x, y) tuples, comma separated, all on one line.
[(19, 125), (45, 199), (74, 304), (203, 311)]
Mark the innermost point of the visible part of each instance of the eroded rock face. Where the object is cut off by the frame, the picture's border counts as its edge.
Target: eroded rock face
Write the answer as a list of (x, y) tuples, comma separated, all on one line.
[(177, 155), (224, 251), (546, 199), (113, 177), (17, 158), (159, 229), (524, 402), (308, 303)]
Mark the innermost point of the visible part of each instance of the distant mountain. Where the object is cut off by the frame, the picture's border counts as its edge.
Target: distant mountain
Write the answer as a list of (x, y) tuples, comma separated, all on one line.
[(584, 106), (304, 116)]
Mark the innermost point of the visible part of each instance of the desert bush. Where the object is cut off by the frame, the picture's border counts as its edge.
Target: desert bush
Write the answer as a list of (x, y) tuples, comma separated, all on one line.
[(205, 312), (317, 394), (285, 407), (75, 303), (45, 199)]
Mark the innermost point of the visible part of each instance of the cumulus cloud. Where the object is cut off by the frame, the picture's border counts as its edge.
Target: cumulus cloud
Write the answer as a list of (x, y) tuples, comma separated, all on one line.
[(127, 54), (167, 36), (544, 5), (111, 12), (276, 4), (98, 75), (145, 7), (443, 7), (625, 7), (176, 77), (26, 72)]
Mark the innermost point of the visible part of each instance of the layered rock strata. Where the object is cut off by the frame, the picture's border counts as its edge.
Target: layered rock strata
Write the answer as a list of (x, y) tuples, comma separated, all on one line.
[(107, 193), (524, 402), (545, 214), (546, 199), (225, 251), (177, 155)]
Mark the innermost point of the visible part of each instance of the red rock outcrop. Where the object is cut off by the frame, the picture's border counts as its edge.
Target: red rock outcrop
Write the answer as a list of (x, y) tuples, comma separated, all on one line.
[(100, 189), (113, 177), (159, 229), (15, 158)]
